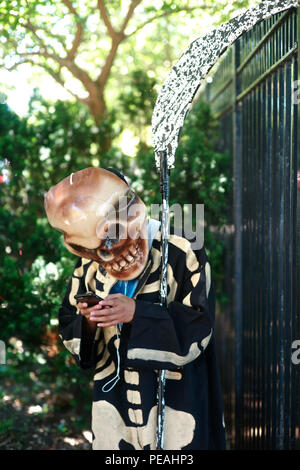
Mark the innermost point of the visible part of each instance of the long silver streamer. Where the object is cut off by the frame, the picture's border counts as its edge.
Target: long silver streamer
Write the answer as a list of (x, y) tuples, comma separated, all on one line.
[(161, 380)]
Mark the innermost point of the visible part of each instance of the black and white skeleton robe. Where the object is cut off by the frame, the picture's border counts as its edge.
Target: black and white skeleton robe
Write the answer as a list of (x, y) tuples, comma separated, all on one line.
[(179, 339)]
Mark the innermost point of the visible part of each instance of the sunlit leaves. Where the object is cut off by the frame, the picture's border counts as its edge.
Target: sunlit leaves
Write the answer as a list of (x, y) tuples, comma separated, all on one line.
[(56, 35)]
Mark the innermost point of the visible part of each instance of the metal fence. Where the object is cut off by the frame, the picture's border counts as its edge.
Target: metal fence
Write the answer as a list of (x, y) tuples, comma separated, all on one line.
[(253, 95)]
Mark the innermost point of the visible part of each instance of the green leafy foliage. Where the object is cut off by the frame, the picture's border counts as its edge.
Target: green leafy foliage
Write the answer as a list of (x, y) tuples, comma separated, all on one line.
[(35, 153), (34, 262), (91, 47), (138, 98)]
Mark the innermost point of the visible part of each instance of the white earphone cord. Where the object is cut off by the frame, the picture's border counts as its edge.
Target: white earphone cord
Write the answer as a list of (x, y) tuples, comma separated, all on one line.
[(116, 378)]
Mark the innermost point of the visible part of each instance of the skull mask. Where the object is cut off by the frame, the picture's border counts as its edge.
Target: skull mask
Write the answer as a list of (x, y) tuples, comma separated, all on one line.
[(102, 219)]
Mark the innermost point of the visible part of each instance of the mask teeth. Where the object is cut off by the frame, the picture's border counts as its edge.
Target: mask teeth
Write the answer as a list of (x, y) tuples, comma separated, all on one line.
[(133, 250), (127, 260), (116, 266)]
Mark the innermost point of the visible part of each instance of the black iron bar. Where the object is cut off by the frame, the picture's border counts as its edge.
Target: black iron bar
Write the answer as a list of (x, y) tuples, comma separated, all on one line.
[(268, 72), (260, 44), (257, 97)]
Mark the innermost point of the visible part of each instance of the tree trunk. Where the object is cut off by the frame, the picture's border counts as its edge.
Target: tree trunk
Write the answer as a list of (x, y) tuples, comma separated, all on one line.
[(97, 105)]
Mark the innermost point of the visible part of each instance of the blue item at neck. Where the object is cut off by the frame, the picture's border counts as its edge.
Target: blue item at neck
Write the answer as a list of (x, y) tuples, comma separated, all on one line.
[(128, 287)]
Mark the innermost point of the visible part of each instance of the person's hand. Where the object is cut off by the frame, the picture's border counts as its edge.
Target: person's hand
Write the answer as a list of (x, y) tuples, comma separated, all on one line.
[(114, 309), (85, 311)]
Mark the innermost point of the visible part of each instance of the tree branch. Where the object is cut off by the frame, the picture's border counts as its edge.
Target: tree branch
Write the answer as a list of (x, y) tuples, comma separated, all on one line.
[(104, 15), (59, 79), (117, 37), (70, 7), (77, 38), (76, 42), (79, 30), (28, 25), (16, 64), (56, 75), (76, 71), (104, 74), (33, 29), (130, 12), (67, 62), (167, 13)]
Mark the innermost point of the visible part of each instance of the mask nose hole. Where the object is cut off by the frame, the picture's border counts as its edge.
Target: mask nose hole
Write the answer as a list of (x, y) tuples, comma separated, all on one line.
[(105, 255), (113, 236)]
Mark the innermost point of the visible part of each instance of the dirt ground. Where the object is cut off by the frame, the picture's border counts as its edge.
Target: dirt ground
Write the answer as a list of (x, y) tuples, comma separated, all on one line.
[(26, 423), (41, 433)]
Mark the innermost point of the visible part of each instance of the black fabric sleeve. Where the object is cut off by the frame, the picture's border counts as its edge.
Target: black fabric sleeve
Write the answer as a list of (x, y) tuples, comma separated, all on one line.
[(168, 338), (73, 328)]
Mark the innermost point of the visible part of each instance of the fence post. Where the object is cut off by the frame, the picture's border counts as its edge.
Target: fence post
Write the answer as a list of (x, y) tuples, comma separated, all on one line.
[(237, 217), (295, 418)]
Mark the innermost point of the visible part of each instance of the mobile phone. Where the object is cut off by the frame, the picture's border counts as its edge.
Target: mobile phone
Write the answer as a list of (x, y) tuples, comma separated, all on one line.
[(89, 298)]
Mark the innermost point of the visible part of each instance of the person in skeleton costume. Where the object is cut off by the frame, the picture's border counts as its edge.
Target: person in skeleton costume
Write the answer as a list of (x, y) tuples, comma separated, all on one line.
[(128, 336)]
